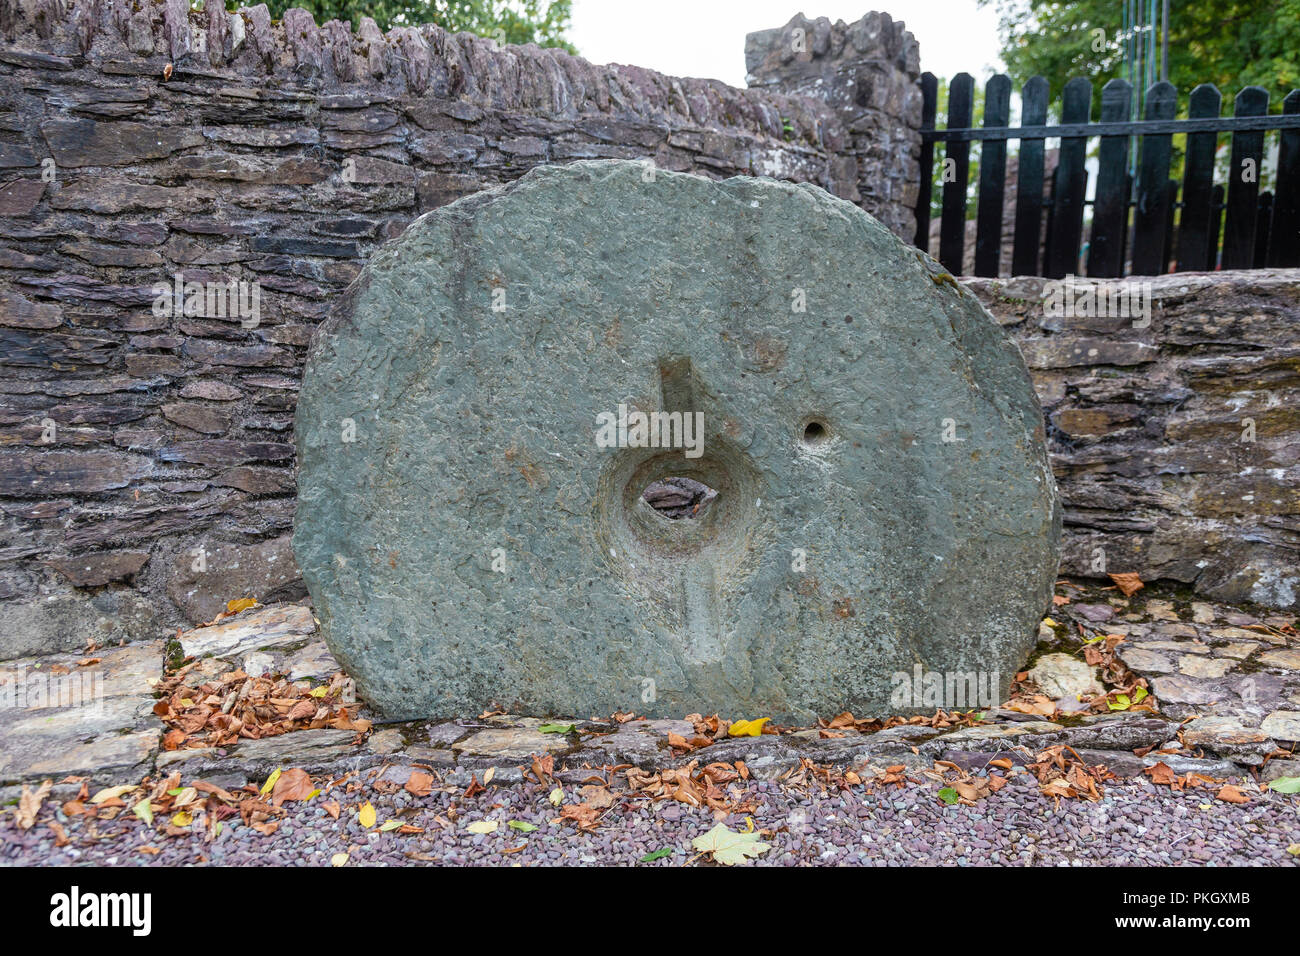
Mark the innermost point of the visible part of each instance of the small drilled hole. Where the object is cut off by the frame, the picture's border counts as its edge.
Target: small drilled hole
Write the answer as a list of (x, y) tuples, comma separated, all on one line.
[(676, 497), (815, 433)]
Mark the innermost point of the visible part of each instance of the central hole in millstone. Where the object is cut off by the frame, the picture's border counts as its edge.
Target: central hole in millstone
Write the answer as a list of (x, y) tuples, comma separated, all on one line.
[(676, 497)]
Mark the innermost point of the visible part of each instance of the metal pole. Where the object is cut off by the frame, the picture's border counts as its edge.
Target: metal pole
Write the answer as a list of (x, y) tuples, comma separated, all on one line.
[(1164, 42)]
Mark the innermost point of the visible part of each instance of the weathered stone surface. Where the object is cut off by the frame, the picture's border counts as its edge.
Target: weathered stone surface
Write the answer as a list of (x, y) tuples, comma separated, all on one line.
[(72, 620), (1288, 659), (68, 472), (1283, 725), (1062, 677), (312, 750), (1199, 666), (513, 743), (281, 626), (1175, 433), (1140, 659), (1228, 737), (813, 423), (263, 570), (93, 570), (1176, 689), (61, 717)]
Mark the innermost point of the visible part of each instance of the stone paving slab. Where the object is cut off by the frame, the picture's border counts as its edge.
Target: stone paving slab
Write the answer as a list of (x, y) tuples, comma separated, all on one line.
[(1244, 719), (1208, 660), (278, 626), (62, 717)]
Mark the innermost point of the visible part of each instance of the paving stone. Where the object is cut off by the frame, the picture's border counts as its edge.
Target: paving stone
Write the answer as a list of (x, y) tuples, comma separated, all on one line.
[(1119, 730), (1144, 661), (1177, 630), (1128, 765), (316, 751), (516, 743), (1283, 725), (1279, 768), (386, 741), (1228, 737), (974, 738), (58, 718), (1234, 634), (1240, 618), (1177, 647), (1236, 651), (435, 734), (1159, 610), (1203, 613), (706, 609), (434, 759), (1096, 613), (108, 757), (1179, 689), (1289, 658), (1065, 679), (1194, 666), (280, 625), (313, 662)]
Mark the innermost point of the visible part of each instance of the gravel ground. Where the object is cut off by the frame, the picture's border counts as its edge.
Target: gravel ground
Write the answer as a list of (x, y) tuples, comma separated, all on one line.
[(1135, 823)]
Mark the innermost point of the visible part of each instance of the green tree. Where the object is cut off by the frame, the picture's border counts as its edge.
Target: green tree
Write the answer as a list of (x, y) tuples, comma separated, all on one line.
[(1230, 43), (543, 22)]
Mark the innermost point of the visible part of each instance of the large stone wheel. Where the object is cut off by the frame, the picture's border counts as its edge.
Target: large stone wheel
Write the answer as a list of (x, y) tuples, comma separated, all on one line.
[(884, 496)]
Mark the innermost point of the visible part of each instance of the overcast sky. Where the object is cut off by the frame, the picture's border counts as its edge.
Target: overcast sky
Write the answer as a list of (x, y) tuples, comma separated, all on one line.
[(706, 38)]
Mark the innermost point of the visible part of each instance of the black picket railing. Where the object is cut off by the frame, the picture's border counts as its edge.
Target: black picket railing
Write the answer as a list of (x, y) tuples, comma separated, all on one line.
[(1133, 222)]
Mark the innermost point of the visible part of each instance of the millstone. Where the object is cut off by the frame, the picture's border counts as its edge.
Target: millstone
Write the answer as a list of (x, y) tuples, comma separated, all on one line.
[(471, 522)]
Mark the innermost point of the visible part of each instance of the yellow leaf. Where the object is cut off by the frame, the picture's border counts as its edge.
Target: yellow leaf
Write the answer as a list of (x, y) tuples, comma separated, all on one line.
[(1049, 622), (240, 604), (314, 793), (487, 777), (110, 793), (729, 847), (367, 815), (144, 810), (556, 797), (482, 826), (182, 819), (270, 781), (338, 859), (748, 728)]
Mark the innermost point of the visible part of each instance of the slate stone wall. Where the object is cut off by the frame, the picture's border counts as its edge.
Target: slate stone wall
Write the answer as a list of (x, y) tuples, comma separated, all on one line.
[(1176, 444), (146, 457)]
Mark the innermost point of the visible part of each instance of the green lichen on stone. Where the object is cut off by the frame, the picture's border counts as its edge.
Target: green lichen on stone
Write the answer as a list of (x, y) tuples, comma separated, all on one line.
[(475, 548)]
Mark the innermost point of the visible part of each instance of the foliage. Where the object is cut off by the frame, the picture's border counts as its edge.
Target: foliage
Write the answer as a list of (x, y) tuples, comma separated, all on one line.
[(543, 22), (1230, 43)]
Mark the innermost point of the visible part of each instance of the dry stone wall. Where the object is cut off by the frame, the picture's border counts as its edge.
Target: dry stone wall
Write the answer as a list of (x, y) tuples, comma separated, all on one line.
[(146, 450), (1175, 434)]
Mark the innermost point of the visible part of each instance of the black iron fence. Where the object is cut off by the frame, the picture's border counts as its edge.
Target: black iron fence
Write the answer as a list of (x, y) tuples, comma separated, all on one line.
[(1141, 223)]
